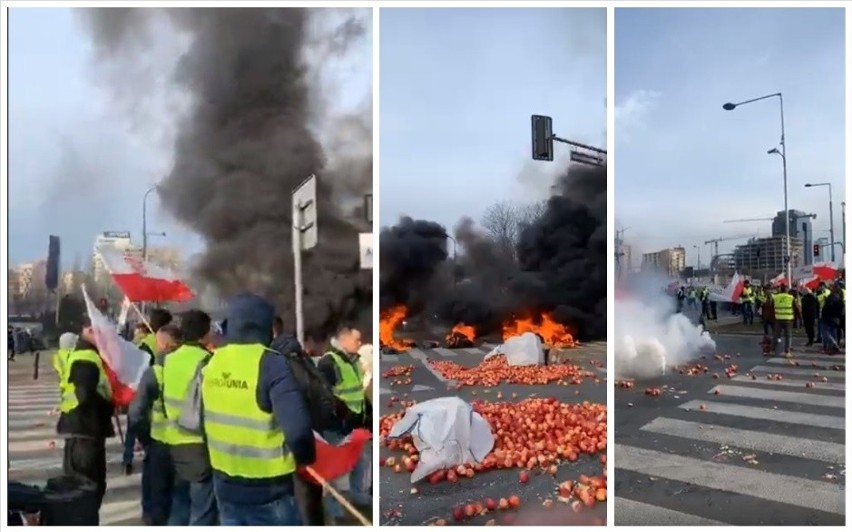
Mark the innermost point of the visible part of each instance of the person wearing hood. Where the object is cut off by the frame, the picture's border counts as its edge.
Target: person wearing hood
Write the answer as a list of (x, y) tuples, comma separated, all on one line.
[(86, 410), (255, 420), (342, 369), (60, 358), (145, 420)]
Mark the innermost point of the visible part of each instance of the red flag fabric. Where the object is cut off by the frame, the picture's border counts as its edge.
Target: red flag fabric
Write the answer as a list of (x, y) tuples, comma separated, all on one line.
[(141, 280), (334, 461)]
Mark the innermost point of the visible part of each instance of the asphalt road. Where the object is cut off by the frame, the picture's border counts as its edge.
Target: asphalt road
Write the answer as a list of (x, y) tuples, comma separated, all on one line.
[(35, 454), (761, 452), (399, 507)]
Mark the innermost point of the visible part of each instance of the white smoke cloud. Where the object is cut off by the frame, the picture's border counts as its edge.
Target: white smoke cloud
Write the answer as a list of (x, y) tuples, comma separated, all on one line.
[(650, 337)]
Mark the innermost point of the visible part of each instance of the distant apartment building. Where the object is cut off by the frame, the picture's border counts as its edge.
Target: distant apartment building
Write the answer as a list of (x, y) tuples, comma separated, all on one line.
[(119, 240), (669, 261), (764, 257), (801, 232)]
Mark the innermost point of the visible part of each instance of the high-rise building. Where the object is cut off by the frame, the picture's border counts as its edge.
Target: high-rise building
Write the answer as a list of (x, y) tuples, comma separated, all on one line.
[(119, 240), (764, 257), (801, 229), (667, 261)]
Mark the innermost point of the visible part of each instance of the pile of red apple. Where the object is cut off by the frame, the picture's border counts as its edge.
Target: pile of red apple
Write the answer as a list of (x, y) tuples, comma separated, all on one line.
[(537, 433), (398, 371), (495, 370)]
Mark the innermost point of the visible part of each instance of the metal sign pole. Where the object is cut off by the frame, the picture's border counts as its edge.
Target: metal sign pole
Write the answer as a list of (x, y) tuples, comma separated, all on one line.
[(297, 271), (304, 238)]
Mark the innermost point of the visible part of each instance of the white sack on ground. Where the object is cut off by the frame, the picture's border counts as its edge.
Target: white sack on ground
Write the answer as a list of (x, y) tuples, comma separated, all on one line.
[(446, 432), (523, 350)]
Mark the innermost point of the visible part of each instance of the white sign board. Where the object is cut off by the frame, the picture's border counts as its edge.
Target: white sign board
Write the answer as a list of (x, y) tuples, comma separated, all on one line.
[(305, 212), (365, 244)]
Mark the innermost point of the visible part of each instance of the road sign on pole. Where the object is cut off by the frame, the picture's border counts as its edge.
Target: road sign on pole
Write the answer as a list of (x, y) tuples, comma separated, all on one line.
[(365, 244), (304, 237)]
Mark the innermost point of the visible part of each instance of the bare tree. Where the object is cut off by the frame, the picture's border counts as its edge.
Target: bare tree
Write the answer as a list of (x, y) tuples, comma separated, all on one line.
[(504, 221)]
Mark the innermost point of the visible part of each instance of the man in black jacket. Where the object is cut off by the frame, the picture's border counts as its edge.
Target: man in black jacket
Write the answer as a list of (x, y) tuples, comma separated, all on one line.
[(86, 418), (810, 312)]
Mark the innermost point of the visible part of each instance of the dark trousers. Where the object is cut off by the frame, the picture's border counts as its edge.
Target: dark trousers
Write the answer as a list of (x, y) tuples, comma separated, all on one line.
[(194, 504), (87, 457), (713, 309), (309, 500), (810, 327), (158, 474)]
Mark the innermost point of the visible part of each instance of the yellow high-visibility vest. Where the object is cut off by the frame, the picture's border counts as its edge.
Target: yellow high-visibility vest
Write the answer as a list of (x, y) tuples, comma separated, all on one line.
[(173, 378), (350, 387), (69, 395), (783, 306), (242, 440)]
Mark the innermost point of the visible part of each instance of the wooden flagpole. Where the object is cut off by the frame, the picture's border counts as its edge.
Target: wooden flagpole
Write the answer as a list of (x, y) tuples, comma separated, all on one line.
[(336, 494)]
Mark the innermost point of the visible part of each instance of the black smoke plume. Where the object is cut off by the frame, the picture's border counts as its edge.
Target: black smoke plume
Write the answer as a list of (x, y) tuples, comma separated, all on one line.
[(246, 142), (560, 266), (410, 254)]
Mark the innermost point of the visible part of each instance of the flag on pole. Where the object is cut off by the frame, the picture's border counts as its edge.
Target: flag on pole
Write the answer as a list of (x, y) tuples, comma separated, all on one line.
[(141, 280), (125, 310), (335, 461), (123, 361)]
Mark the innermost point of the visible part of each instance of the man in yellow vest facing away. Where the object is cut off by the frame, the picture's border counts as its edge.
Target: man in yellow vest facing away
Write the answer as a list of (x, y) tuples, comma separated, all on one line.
[(342, 370), (785, 310), (67, 342), (145, 418), (86, 410), (255, 420), (193, 502)]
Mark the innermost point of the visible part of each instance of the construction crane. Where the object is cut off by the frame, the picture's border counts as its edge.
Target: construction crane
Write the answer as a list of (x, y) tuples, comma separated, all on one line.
[(748, 220), (715, 242)]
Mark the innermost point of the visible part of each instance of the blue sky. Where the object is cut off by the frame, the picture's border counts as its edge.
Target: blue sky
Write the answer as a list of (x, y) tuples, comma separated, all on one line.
[(74, 170), (458, 87), (683, 165), (79, 164)]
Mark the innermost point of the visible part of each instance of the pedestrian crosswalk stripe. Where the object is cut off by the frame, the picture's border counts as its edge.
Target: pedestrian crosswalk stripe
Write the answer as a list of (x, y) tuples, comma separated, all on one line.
[(787, 370), (804, 364), (476, 352), (641, 514), (812, 357), (768, 414), (829, 401), (444, 352), (31, 420), (389, 358), (749, 439), (421, 388), (810, 494), (795, 383), (114, 512), (385, 391)]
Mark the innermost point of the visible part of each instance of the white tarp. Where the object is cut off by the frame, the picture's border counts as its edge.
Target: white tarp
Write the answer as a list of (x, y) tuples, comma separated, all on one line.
[(447, 433), (523, 350)]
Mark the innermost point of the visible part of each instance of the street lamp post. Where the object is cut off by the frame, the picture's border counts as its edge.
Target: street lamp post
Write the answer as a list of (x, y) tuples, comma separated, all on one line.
[(830, 214), (843, 224), (783, 153), (698, 262), (145, 222)]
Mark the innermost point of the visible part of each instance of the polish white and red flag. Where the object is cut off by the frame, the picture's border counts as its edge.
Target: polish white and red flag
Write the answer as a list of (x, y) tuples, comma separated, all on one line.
[(334, 461), (124, 363), (141, 280), (810, 276)]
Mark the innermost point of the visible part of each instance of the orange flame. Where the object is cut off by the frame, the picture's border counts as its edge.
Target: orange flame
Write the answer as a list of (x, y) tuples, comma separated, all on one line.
[(554, 334), (388, 322), (465, 330)]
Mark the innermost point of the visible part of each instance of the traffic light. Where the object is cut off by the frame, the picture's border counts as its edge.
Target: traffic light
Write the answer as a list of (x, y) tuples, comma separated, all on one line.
[(542, 138), (816, 250)]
